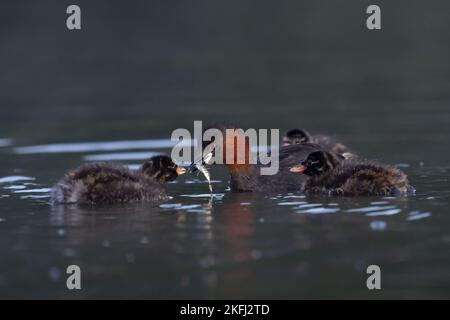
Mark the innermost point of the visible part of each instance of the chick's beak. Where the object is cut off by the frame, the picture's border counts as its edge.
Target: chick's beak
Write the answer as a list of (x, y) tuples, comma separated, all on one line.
[(298, 169), (180, 171)]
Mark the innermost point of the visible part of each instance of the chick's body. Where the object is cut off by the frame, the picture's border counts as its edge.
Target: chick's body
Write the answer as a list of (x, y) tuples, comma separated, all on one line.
[(111, 184), (357, 177)]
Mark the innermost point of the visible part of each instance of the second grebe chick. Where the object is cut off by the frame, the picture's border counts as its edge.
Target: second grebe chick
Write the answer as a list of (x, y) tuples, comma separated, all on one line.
[(328, 143), (332, 175)]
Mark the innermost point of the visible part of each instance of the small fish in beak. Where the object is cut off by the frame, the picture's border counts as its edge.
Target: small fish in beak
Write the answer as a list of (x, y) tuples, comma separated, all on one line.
[(180, 171), (200, 167)]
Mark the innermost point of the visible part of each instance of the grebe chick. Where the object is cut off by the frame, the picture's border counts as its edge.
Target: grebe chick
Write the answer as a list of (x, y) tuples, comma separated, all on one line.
[(327, 143), (110, 184), (330, 174)]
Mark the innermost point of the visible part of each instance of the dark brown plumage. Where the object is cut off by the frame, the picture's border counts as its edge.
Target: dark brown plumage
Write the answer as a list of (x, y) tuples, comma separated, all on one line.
[(330, 174), (299, 136), (110, 184)]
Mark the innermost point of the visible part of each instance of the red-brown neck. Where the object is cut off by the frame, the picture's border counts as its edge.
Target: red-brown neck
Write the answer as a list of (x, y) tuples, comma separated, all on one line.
[(234, 146)]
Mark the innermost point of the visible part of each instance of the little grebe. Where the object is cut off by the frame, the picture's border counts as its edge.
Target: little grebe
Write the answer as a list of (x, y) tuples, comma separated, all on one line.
[(246, 176), (109, 184), (333, 175)]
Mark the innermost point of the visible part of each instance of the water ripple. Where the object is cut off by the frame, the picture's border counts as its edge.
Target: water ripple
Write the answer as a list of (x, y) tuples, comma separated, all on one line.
[(320, 210), (370, 209), (195, 181), (5, 142), (120, 156), (384, 213), (15, 179), (417, 215), (293, 203), (41, 190), (378, 225), (33, 196), (310, 205), (15, 187), (204, 195), (100, 146)]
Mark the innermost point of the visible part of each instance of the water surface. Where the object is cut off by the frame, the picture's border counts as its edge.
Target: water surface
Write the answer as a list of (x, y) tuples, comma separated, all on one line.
[(223, 245)]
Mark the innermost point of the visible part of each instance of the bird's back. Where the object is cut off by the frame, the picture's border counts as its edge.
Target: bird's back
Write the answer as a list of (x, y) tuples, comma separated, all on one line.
[(106, 184), (366, 178)]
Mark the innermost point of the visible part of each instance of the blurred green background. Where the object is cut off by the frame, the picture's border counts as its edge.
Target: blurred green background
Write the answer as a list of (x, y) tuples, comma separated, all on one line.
[(142, 68)]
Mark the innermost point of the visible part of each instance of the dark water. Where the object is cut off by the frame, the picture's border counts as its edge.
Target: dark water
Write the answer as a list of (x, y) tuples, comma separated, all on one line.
[(230, 245), (138, 72)]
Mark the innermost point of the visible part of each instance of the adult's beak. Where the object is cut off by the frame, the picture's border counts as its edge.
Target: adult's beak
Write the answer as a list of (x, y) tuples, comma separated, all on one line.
[(180, 171), (192, 168), (298, 169)]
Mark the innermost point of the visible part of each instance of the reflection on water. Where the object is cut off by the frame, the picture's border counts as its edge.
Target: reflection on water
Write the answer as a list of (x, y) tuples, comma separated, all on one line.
[(99, 146), (5, 142), (41, 190), (202, 245), (15, 179), (120, 156), (417, 215)]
